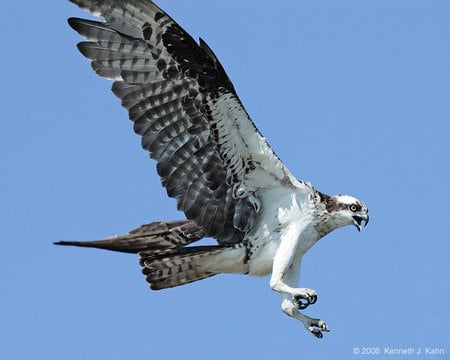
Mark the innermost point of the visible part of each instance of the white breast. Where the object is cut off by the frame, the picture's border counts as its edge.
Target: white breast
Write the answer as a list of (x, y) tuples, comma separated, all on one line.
[(282, 208)]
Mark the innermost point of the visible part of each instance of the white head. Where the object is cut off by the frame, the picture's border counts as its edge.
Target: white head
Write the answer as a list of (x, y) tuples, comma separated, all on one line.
[(343, 210)]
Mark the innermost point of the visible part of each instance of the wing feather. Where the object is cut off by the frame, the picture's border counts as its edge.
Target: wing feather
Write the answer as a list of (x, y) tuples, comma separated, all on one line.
[(209, 154)]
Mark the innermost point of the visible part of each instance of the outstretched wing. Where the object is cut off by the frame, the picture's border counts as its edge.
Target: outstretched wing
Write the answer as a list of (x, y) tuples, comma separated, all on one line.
[(209, 154)]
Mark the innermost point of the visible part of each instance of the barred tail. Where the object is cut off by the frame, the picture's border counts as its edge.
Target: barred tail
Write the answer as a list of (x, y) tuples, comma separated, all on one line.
[(157, 235), (166, 259), (174, 267)]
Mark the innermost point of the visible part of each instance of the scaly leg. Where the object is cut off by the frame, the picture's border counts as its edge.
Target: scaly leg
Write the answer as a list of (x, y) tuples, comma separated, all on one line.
[(286, 275), (290, 306), (288, 255), (315, 326)]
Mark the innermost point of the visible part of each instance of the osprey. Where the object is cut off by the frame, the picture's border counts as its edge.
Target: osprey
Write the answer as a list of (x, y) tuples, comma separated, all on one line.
[(211, 158)]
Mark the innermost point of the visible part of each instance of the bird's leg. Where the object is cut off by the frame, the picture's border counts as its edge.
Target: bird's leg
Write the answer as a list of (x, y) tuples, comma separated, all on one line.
[(290, 304), (315, 326), (285, 275), (287, 257), (300, 297)]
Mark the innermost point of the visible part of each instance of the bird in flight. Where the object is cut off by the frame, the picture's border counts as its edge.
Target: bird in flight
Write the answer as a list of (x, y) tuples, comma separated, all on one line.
[(211, 158)]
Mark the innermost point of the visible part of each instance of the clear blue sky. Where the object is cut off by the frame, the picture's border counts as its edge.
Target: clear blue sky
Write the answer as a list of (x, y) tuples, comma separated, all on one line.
[(352, 95)]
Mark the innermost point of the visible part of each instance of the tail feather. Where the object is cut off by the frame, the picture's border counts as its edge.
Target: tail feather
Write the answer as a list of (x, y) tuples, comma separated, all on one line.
[(174, 267), (156, 235), (165, 256)]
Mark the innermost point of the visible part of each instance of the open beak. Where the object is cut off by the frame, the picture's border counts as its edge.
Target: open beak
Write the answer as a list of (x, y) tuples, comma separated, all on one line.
[(357, 220)]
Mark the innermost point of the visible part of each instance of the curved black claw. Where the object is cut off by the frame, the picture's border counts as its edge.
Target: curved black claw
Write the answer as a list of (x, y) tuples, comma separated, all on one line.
[(303, 303), (316, 327)]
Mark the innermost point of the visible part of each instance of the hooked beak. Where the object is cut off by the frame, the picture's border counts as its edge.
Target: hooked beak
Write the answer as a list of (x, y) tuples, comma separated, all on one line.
[(357, 220)]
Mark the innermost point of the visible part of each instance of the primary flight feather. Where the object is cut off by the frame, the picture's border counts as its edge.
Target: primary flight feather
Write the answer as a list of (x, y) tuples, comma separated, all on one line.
[(227, 180)]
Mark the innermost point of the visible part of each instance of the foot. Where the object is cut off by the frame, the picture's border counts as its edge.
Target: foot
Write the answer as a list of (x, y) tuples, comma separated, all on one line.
[(316, 326), (303, 297)]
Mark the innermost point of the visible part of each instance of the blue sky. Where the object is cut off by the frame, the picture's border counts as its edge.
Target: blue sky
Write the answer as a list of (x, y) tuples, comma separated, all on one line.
[(352, 95)]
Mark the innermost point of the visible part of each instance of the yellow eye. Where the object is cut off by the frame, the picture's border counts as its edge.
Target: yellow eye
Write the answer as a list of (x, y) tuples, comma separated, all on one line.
[(353, 207)]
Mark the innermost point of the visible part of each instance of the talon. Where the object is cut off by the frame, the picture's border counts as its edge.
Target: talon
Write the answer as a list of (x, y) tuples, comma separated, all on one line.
[(317, 326), (303, 300), (316, 332), (302, 303)]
